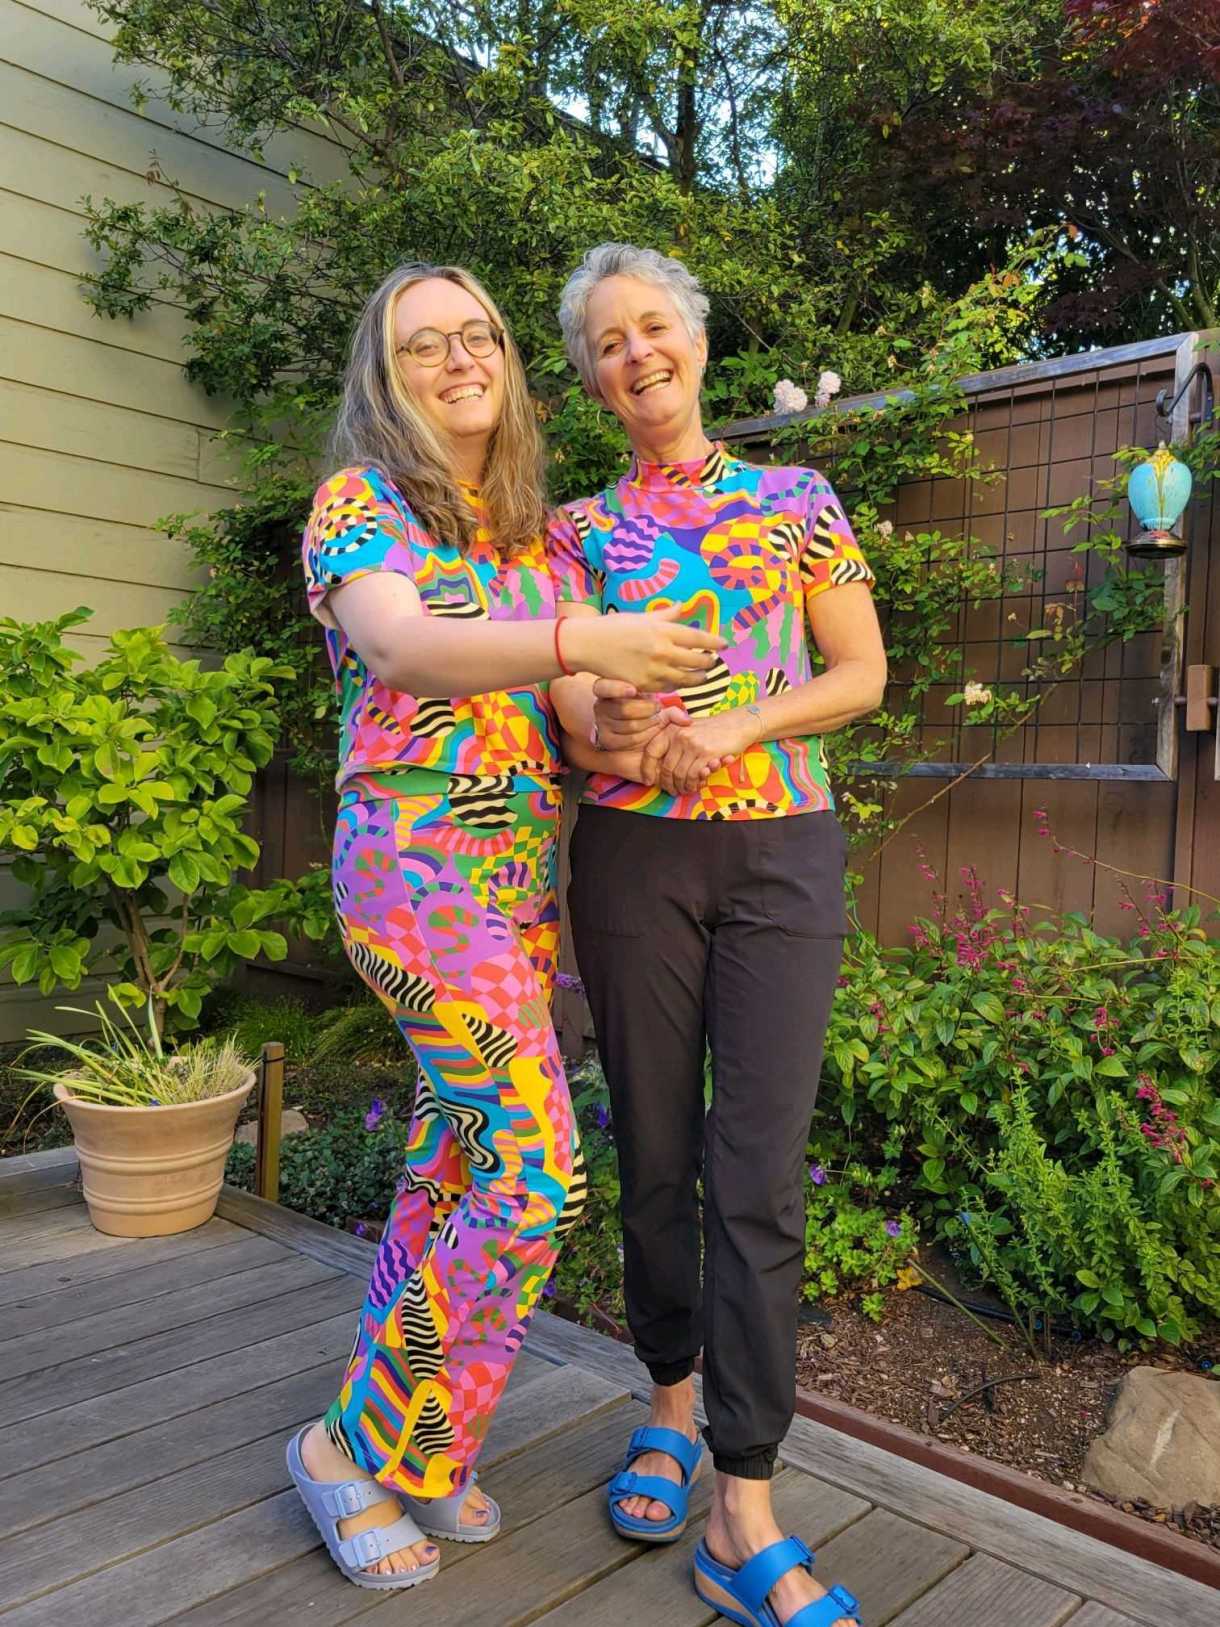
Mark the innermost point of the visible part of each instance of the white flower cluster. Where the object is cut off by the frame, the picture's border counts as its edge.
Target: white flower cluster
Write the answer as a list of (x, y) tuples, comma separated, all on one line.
[(829, 384), (976, 694), (790, 397)]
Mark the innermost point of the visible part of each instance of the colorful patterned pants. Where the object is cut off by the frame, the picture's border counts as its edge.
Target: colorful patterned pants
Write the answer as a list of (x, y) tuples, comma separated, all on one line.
[(445, 892)]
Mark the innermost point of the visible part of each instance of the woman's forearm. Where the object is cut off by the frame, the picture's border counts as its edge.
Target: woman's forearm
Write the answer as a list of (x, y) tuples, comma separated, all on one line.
[(434, 657), (822, 704)]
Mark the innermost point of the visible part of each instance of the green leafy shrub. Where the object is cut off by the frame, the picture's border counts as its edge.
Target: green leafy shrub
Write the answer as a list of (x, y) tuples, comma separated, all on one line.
[(1055, 1091), (346, 1171), (852, 1241), (123, 796)]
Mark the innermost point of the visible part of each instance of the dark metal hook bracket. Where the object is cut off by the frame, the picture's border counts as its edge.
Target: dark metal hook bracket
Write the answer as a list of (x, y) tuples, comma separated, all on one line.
[(1165, 407)]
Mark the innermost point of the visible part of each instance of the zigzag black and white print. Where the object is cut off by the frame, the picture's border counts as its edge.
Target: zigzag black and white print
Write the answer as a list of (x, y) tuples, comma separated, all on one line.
[(408, 990), (467, 1122), (455, 609), (850, 570), (482, 799), (496, 1046), (578, 1192), (708, 694), (827, 535), (432, 718), (420, 1338), (789, 537), (776, 681), (433, 1433)]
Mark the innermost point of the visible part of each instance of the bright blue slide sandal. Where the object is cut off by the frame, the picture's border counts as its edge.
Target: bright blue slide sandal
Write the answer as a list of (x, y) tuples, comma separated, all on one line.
[(686, 1453), (741, 1595)]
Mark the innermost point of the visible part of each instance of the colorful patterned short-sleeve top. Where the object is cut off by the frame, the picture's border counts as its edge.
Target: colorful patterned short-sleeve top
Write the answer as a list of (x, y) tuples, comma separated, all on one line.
[(743, 549), (360, 523)]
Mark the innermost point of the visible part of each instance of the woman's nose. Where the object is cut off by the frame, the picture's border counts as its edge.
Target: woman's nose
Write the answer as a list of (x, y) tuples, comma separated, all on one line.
[(638, 347)]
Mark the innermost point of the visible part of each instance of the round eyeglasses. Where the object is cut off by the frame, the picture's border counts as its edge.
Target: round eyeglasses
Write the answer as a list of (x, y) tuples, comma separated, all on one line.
[(430, 347)]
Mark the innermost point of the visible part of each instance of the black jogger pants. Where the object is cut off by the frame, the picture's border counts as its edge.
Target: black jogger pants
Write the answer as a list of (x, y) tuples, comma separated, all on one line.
[(728, 934)]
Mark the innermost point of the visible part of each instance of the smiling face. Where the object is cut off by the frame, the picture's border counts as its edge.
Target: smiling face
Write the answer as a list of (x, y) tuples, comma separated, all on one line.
[(463, 397), (647, 367)]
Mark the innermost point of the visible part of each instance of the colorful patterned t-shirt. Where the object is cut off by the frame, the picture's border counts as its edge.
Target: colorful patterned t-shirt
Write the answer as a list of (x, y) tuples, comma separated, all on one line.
[(743, 549), (360, 524)]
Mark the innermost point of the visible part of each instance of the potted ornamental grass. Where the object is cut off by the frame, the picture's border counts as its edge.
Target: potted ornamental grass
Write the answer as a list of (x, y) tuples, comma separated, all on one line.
[(152, 1124)]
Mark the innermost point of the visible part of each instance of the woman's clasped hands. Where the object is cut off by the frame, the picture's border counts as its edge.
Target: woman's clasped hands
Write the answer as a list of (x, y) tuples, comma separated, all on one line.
[(677, 752)]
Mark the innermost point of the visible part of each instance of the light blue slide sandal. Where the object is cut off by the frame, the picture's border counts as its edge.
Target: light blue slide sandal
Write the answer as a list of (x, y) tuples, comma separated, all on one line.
[(442, 1516), (331, 1501), (686, 1453), (741, 1595)]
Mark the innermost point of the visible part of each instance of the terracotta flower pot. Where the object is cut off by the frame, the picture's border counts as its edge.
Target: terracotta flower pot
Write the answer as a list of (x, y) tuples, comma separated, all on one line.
[(150, 1171)]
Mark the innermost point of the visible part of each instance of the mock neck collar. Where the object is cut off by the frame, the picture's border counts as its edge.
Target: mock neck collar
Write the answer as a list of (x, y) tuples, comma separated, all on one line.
[(704, 471)]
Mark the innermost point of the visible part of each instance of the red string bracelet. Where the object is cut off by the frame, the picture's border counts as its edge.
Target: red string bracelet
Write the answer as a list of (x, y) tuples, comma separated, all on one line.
[(563, 665)]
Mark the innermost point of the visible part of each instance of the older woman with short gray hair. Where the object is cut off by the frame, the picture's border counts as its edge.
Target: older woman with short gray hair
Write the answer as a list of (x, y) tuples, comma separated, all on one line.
[(707, 908)]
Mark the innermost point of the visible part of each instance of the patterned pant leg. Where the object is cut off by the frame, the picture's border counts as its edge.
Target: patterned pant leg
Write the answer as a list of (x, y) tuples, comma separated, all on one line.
[(440, 920)]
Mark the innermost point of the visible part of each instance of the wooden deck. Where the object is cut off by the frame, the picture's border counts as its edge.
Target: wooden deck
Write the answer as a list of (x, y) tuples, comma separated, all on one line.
[(149, 1388)]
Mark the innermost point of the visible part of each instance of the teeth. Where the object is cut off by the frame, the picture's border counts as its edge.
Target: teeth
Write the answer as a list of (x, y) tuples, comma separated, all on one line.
[(472, 392), (653, 381)]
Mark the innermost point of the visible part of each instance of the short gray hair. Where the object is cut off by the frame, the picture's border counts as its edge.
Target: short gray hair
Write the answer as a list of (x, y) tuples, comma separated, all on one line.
[(625, 260)]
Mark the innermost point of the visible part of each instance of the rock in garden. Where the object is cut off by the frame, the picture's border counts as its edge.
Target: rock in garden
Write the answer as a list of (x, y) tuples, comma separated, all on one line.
[(291, 1124), (1162, 1445)]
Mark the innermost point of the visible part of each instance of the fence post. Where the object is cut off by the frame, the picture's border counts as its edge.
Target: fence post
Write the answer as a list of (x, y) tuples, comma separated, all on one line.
[(270, 1117)]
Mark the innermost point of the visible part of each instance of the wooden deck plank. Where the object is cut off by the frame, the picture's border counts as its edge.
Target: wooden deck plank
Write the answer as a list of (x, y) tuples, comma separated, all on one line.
[(18, 1229), (56, 1194), (305, 1584), (19, 1166), (983, 1592), (307, 1236), (131, 1287), (89, 1376), (147, 1456), (888, 1563), (1099, 1615), (656, 1586), (562, 1341), (1092, 1569), (34, 1280), (94, 1538), (48, 1348), (154, 1586), (51, 1436)]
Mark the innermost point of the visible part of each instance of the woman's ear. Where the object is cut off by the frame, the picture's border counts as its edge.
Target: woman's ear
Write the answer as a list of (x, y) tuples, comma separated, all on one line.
[(701, 351)]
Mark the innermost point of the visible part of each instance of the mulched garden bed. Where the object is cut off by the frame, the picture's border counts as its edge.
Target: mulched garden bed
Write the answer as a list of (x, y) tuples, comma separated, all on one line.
[(918, 1367)]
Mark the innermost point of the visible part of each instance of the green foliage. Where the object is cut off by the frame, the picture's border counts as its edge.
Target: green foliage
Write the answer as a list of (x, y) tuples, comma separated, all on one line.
[(339, 1173), (252, 1023), (123, 795), (361, 1033), (851, 1241), (590, 1268), (1056, 1087)]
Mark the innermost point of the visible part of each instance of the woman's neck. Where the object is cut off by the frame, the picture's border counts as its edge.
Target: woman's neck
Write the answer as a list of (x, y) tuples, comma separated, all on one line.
[(685, 445), (468, 463)]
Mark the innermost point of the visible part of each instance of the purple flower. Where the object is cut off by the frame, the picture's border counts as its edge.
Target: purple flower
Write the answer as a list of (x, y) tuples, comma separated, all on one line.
[(374, 1115), (361, 1229), (894, 1228), (817, 1174), (602, 1116), (549, 1291), (565, 980)]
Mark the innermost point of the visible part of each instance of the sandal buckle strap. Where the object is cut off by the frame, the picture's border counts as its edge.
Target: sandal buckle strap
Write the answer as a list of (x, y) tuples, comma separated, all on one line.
[(352, 1497), (758, 1576)]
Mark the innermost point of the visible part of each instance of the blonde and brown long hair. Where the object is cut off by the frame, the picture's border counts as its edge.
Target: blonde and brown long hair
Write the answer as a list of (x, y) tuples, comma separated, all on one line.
[(379, 423)]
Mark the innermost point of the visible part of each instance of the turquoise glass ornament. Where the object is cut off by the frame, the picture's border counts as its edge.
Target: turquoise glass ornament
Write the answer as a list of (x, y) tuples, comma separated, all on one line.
[(1158, 490)]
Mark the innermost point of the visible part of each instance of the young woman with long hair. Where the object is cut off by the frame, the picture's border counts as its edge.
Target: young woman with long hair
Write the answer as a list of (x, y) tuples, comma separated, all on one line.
[(425, 563)]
